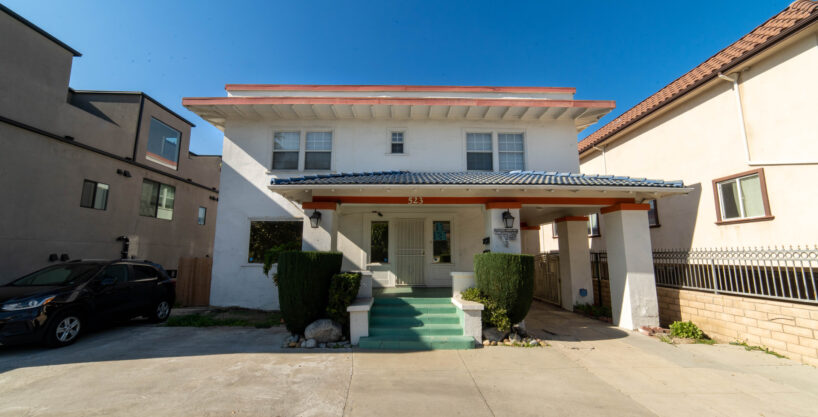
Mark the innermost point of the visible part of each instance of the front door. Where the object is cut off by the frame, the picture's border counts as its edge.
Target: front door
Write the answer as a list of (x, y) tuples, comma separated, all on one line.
[(410, 252)]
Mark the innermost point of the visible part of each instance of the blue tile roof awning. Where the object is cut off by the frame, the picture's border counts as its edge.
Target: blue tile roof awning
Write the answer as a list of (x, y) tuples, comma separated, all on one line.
[(474, 178)]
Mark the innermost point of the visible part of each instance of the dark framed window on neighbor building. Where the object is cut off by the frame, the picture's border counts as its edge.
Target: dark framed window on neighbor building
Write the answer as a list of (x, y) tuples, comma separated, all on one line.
[(202, 216), (163, 144), (272, 235), (379, 243), (742, 197), (157, 200), (94, 195)]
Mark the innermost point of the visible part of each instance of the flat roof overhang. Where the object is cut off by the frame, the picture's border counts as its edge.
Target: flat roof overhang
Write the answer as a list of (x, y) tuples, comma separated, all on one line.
[(217, 110)]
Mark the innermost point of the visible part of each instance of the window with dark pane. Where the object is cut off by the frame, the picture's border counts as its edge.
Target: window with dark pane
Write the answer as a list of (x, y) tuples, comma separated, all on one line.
[(441, 242), (266, 235), (379, 243)]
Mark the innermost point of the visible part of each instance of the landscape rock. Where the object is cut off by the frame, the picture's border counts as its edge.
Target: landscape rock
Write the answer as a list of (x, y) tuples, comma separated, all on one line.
[(487, 342), (310, 343), (493, 334), (292, 344), (514, 337), (323, 330)]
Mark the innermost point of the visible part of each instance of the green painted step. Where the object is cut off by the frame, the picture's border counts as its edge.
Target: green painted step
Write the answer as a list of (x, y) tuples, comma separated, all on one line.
[(428, 330), (413, 321), (416, 342), (412, 310), (411, 301)]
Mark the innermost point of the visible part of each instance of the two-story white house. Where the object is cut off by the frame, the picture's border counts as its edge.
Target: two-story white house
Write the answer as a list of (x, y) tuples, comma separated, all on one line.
[(410, 182)]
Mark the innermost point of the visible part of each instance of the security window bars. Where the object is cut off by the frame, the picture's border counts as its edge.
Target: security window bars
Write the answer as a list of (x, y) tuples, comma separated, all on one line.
[(397, 142), (163, 144), (511, 153), (94, 195), (157, 200), (379, 243), (318, 152), (285, 150), (479, 152), (442, 242), (743, 196)]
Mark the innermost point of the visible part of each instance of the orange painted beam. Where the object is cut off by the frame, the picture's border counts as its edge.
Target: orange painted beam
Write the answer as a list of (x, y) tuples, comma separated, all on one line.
[(565, 201), (319, 205), (625, 206)]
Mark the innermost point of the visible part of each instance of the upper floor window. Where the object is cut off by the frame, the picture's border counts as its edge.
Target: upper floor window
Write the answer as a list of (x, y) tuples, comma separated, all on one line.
[(163, 144), (285, 150), (653, 214), (157, 200), (318, 152), (479, 152), (742, 196), (396, 142), (510, 149), (94, 195)]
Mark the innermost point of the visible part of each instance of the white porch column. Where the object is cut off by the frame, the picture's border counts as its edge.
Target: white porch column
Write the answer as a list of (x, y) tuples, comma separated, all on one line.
[(630, 266), (530, 239), (325, 236), (501, 238), (576, 286)]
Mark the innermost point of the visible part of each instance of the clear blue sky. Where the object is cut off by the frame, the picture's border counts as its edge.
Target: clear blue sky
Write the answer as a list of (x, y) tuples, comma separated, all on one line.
[(608, 50)]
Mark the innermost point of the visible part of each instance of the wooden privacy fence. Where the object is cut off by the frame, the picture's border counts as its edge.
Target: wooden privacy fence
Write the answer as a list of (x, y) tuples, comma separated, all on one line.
[(193, 281), (547, 277)]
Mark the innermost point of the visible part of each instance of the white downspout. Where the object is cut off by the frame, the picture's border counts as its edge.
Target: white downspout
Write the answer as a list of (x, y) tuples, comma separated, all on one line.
[(604, 161), (743, 129)]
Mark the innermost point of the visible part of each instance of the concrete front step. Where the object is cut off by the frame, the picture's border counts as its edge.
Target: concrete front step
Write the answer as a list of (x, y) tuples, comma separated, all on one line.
[(416, 342), (411, 310), (413, 321), (428, 330), (411, 301)]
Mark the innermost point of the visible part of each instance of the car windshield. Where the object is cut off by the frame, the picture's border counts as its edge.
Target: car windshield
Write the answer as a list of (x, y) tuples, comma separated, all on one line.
[(58, 275)]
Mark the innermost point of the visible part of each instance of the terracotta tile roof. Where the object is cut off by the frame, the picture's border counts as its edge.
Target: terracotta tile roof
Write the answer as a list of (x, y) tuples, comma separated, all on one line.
[(799, 13)]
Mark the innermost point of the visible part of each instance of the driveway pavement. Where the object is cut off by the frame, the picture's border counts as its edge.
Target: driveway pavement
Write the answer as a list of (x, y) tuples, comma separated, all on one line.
[(589, 369)]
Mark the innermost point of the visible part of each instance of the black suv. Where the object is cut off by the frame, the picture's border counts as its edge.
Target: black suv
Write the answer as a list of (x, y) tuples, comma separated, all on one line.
[(55, 304)]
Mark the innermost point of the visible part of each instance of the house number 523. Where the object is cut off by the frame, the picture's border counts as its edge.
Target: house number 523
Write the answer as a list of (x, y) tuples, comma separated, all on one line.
[(415, 200)]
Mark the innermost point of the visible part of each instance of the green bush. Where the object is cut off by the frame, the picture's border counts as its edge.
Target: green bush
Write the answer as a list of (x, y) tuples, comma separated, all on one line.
[(271, 255), (686, 329), (508, 280), (303, 286), (343, 289), (493, 315)]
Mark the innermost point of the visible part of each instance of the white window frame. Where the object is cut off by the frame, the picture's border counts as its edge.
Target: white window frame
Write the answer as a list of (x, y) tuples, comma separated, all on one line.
[(493, 152), (302, 147), (505, 132), (303, 158), (389, 141), (495, 146), (298, 151)]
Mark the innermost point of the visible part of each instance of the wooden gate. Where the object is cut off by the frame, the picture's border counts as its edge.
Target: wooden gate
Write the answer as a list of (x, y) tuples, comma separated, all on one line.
[(547, 277), (193, 281)]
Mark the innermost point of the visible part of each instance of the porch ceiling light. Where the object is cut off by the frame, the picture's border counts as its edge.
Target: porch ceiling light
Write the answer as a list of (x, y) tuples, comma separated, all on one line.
[(315, 219), (508, 219)]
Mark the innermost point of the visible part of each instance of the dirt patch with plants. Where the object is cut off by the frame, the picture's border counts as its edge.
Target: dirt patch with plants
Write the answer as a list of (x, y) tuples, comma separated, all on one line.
[(233, 317)]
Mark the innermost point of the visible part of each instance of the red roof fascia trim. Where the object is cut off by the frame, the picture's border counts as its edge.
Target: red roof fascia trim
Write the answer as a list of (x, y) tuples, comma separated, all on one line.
[(424, 88), (406, 101)]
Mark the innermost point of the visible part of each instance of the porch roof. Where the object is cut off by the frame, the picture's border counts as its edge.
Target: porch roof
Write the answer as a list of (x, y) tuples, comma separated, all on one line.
[(516, 178)]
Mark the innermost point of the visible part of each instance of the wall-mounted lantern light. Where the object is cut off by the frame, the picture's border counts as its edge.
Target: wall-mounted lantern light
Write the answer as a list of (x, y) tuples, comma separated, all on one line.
[(508, 219), (315, 219)]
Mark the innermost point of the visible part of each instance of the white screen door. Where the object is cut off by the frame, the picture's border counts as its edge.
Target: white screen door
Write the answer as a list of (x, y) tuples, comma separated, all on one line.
[(410, 252)]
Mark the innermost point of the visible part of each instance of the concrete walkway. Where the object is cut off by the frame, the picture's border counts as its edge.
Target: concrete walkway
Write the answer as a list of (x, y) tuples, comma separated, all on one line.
[(590, 369)]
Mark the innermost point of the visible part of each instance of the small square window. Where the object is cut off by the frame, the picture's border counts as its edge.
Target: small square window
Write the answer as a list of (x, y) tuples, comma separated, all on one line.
[(94, 195), (157, 200), (397, 142), (742, 196), (202, 215)]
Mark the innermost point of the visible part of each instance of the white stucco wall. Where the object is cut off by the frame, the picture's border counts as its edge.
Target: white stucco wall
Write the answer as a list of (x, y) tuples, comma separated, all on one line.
[(700, 140)]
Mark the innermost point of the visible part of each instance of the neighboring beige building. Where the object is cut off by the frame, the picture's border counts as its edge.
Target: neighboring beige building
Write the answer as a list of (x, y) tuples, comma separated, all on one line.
[(80, 170), (748, 148)]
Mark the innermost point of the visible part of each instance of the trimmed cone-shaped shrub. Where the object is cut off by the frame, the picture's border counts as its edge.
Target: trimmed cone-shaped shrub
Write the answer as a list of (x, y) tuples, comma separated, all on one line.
[(342, 292), (508, 280), (303, 286)]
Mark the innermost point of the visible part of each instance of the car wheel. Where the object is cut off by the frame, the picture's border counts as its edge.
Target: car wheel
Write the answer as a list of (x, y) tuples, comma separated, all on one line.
[(64, 330), (161, 311)]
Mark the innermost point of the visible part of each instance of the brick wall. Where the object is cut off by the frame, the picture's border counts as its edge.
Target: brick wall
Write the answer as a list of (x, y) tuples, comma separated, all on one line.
[(787, 328)]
